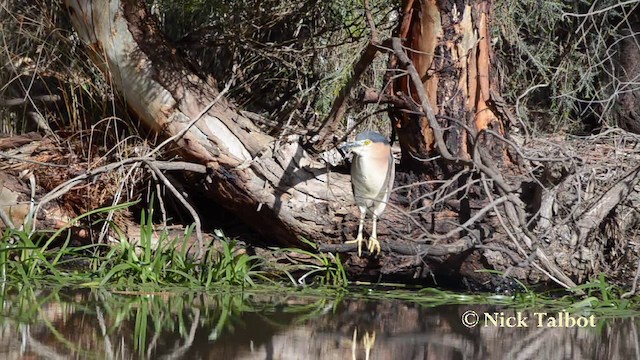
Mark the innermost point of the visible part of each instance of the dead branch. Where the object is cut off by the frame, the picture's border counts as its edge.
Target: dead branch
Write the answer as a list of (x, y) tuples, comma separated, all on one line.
[(390, 246), (372, 24), (153, 164), (339, 106), (370, 96), (185, 203), (593, 217), (513, 207)]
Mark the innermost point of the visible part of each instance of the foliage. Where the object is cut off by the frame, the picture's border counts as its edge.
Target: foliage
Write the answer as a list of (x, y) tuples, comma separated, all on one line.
[(323, 269), (31, 257), (556, 60), (42, 56), (288, 58), (171, 264), (156, 261), (36, 259)]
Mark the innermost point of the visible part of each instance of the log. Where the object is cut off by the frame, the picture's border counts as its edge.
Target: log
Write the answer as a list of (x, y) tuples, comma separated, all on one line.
[(284, 193)]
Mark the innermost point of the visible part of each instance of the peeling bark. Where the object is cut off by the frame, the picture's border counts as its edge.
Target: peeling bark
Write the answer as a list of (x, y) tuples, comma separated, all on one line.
[(450, 49)]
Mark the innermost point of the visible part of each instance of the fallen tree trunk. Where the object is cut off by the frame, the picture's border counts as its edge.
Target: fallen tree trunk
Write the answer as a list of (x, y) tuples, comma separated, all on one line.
[(282, 192)]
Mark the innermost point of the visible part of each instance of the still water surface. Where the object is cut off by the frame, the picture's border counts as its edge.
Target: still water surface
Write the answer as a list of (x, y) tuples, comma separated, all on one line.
[(98, 324)]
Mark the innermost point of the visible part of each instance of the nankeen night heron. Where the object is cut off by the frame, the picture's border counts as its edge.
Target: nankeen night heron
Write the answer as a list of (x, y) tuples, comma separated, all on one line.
[(372, 173)]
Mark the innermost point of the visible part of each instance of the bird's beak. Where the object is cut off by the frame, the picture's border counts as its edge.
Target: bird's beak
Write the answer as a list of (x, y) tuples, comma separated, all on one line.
[(350, 145)]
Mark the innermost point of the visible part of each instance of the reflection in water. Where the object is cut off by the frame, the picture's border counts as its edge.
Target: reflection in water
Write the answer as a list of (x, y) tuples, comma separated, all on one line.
[(105, 325)]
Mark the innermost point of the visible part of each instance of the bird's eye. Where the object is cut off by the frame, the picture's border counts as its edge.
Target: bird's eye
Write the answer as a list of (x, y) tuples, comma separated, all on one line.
[(367, 142)]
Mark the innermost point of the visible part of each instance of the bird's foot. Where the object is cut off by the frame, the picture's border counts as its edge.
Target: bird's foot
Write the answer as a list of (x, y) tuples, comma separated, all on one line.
[(373, 246), (359, 240)]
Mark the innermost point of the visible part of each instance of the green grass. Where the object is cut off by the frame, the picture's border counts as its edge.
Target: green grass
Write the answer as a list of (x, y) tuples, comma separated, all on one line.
[(159, 262), (323, 269), (154, 262), (39, 259)]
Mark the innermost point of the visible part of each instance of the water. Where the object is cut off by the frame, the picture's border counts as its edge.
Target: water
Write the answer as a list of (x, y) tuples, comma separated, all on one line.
[(230, 325)]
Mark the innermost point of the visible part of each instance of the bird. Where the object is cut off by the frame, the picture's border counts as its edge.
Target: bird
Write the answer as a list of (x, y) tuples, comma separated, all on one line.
[(372, 175)]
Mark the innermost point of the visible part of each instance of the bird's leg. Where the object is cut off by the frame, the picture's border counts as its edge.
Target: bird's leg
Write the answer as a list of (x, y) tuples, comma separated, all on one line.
[(354, 344), (359, 238), (374, 244)]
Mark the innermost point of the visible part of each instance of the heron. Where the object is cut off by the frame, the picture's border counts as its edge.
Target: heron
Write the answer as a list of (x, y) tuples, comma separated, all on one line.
[(372, 174)]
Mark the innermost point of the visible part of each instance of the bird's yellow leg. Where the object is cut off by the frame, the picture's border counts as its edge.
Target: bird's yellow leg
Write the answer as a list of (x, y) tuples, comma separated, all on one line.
[(354, 344), (374, 244), (367, 342), (359, 240)]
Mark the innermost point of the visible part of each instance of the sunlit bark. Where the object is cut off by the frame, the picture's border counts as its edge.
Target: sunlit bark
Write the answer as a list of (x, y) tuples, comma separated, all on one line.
[(450, 49)]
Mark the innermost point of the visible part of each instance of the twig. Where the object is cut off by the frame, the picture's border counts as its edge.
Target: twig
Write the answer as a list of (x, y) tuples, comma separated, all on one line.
[(6, 219), (21, 101), (610, 199), (163, 209), (185, 203), (71, 183), (31, 217), (567, 283), (456, 247), (2, 154), (424, 102), (603, 10), (519, 116), (476, 216), (116, 198), (154, 165), (635, 283), (372, 24)]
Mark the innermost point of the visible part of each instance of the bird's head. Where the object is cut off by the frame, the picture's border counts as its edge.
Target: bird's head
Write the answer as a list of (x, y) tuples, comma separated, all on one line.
[(368, 143)]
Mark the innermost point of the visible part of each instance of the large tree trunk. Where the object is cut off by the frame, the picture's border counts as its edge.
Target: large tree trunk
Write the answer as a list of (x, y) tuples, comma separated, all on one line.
[(450, 50), (456, 118)]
